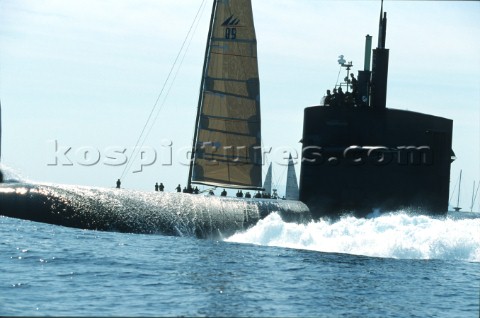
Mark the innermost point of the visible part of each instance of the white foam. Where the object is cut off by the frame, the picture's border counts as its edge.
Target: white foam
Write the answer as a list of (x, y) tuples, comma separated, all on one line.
[(395, 235), (10, 174)]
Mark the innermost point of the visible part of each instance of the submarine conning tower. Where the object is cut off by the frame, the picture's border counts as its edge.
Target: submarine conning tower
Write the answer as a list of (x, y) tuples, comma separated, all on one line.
[(359, 156), (378, 84)]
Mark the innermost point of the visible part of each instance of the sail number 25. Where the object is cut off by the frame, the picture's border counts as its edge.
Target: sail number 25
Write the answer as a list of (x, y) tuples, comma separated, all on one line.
[(230, 33)]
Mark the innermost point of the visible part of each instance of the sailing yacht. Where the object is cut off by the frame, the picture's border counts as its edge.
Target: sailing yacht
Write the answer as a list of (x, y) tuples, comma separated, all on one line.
[(291, 188), (474, 195), (267, 184), (291, 191), (226, 152)]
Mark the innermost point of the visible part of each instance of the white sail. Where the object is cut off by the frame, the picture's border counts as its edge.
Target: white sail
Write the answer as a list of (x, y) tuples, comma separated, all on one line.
[(227, 145), (267, 184), (291, 191)]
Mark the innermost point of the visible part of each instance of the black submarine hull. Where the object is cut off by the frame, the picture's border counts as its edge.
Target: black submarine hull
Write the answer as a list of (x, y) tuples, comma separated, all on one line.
[(362, 159), (130, 211)]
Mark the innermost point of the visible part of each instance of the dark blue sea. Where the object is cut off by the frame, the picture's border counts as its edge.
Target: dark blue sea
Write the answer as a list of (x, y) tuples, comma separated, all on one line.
[(394, 265)]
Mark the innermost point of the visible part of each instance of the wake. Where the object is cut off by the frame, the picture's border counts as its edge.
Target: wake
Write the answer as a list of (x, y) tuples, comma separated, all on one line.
[(395, 235)]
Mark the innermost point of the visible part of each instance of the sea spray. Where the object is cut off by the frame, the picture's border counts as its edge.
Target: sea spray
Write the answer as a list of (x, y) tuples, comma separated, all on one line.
[(394, 235), (10, 174), (123, 210)]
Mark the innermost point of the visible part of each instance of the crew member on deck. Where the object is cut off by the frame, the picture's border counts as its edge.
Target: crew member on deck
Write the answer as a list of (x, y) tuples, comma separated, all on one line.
[(196, 191), (328, 98), (354, 84), (178, 188), (224, 193), (334, 98), (1, 177), (119, 183), (248, 195), (340, 97), (161, 187), (156, 187)]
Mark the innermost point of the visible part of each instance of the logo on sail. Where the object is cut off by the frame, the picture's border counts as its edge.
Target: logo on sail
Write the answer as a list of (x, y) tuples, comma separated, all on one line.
[(231, 21)]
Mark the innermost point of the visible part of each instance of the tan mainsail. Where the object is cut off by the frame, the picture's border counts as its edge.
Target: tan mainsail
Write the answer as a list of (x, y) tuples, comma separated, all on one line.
[(227, 146)]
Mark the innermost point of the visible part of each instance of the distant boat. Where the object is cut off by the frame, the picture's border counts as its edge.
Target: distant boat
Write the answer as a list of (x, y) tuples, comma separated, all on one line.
[(458, 208), (267, 184), (474, 195), (291, 188), (291, 191)]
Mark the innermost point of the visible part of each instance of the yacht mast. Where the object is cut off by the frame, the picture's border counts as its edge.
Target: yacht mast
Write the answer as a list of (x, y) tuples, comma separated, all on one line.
[(474, 195), (200, 99)]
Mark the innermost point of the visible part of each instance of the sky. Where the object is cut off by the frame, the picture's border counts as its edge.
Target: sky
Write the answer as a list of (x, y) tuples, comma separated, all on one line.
[(85, 75)]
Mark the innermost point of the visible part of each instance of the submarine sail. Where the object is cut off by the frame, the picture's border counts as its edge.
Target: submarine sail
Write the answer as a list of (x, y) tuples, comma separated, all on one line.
[(360, 156)]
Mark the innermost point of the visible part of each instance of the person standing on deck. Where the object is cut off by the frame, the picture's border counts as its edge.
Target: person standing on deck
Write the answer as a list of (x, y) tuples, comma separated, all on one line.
[(119, 183), (340, 98), (354, 84), (328, 98)]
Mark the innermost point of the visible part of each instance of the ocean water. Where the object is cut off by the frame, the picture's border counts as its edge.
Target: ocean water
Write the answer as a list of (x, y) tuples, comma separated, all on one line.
[(394, 265)]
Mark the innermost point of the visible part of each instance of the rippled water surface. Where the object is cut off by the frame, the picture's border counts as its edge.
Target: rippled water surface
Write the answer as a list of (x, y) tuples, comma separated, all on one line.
[(388, 266)]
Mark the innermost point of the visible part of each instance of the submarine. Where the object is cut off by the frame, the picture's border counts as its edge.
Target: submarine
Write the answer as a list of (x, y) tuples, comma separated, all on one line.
[(358, 156)]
